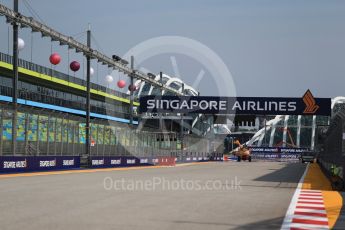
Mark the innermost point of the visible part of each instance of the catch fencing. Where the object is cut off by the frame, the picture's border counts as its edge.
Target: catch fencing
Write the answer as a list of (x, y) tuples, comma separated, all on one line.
[(49, 137), (331, 146)]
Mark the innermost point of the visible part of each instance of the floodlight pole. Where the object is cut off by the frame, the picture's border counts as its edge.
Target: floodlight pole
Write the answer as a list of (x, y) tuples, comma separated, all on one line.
[(15, 79), (131, 91), (182, 125), (88, 76), (265, 123), (161, 91)]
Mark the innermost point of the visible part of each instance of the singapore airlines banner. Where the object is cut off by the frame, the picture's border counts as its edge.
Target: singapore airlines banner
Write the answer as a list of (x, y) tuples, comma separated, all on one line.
[(306, 105)]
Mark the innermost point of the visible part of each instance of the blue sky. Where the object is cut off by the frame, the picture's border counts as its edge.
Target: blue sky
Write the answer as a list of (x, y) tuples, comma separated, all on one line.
[(271, 47)]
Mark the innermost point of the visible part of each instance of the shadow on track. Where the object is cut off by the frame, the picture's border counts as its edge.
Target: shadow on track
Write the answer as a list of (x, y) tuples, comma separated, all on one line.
[(291, 173), (266, 224)]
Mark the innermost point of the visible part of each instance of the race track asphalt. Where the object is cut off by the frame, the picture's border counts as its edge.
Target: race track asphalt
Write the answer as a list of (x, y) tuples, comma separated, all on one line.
[(217, 195)]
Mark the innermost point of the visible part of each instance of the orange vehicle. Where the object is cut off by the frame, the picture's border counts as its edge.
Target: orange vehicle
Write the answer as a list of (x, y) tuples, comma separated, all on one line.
[(242, 152)]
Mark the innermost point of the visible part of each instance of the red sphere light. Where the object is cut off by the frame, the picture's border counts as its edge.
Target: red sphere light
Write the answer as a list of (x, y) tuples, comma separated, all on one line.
[(121, 84), (75, 66), (55, 58)]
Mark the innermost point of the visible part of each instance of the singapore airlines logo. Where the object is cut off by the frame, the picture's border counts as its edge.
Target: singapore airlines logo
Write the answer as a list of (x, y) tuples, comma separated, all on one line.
[(310, 104)]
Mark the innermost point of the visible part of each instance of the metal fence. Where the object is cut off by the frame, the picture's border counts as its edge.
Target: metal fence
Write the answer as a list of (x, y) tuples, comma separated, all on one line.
[(50, 133)]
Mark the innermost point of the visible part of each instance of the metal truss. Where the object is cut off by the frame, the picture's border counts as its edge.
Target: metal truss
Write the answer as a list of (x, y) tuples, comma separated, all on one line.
[(46, 31)]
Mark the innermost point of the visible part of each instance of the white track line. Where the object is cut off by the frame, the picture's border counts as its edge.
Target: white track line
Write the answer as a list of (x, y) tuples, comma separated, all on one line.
[(312, 197), (308, 190), (309, 210), (306, 226), (311, 205), (311, 217)]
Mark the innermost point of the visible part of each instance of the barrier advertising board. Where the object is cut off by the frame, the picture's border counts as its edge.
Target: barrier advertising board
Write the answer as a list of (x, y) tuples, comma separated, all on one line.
[(37, 163)]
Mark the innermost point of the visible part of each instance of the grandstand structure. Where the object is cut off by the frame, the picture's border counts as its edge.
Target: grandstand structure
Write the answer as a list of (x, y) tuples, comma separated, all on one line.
[(51, 116)]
